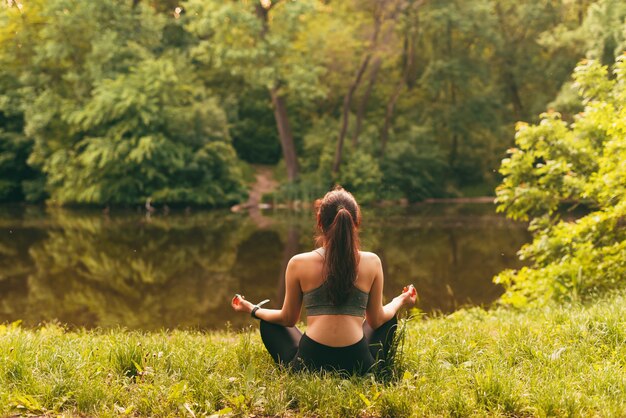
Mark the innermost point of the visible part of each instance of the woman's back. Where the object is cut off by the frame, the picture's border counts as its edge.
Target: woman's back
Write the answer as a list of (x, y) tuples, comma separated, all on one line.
[(332, 329)]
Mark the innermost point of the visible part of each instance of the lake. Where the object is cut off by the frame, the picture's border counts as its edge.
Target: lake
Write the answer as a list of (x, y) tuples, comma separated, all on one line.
[(88, 268)]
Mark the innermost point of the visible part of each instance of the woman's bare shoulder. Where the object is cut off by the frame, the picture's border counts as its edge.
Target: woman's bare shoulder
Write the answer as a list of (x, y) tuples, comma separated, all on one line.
[(305, 257), (369, 257)]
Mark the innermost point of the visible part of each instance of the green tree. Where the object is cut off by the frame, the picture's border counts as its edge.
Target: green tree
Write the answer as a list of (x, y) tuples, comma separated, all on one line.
[(264, 45), (121, 100), (19, 25), (555, 162), (253, 127), (115, 118)]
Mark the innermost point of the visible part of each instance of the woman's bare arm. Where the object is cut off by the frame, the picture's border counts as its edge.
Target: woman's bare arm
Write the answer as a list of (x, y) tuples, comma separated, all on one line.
[(377, 314), (289, 314)]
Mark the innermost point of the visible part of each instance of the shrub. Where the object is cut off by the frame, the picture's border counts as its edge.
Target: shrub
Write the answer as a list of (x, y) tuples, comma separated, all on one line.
[(555, 162)]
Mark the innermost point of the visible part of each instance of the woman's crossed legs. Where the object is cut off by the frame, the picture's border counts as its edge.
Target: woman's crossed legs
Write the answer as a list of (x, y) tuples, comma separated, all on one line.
[(289, 347)]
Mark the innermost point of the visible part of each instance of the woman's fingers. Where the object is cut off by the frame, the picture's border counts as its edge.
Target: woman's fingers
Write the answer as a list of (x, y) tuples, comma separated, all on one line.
[(237, 301), (411, 289), (411, 293)]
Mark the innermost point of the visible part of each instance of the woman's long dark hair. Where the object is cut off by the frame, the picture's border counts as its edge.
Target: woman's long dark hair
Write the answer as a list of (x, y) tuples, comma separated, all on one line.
[(339, 218)]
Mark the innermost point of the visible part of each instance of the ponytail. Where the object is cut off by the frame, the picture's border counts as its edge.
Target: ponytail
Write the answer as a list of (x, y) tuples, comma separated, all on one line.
[(342, 256)]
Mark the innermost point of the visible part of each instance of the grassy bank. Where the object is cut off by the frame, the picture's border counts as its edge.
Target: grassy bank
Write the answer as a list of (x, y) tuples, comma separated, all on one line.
[(557, 360)]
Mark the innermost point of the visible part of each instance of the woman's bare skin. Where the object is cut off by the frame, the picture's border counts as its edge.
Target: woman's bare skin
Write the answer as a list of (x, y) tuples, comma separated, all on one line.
[(305, 273)]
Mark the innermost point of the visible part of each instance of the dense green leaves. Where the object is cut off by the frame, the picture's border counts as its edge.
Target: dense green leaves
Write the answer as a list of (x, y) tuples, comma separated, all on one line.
[(415, 166), (556, 162), (114, 117), (116, 101), (18, 181), (151, 132)]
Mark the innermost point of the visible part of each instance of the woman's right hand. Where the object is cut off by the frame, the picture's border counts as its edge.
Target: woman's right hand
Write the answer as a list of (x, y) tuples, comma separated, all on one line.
[(240, 304)]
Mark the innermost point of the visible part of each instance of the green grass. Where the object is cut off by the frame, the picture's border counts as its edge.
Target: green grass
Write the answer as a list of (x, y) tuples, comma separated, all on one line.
[(559, 360)]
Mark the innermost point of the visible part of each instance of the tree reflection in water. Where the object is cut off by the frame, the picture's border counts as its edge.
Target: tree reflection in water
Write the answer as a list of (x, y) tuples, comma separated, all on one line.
[(179, 270)]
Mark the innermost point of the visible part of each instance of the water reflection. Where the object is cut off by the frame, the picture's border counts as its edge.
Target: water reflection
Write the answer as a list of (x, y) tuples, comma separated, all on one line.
[(91, 269)]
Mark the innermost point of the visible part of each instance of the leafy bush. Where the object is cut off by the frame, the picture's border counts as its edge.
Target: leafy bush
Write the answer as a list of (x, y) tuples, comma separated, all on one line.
[(16, 177), (113, 117), (415, 166), (254, 130), (361, 175), (555, 162), (14, 150)]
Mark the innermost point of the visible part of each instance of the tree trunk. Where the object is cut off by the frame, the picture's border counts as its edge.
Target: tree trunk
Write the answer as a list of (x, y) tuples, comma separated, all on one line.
[(409, 53), (261, 13), (345, 114), (518, 108), (507, 62), (280, 108), (285, 135), (363, 103), (391, 105), (455, 138), (581, 12)]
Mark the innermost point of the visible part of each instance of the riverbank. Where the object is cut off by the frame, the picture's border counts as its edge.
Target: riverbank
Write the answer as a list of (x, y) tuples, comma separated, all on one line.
[(558, 360)]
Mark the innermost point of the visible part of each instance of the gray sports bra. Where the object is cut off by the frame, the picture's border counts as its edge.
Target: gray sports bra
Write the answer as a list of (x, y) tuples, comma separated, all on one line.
[(317, 301)]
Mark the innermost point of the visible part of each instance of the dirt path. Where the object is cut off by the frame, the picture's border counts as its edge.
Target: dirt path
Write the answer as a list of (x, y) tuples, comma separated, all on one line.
[(265, 183)]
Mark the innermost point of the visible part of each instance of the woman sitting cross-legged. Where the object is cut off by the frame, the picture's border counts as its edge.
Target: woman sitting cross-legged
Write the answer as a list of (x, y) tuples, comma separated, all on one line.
[(339, 286)]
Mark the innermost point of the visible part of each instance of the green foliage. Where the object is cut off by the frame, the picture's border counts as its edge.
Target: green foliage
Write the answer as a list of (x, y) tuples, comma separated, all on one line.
[(149, 133), (415, 166), (254, 130), (16, 177), (461, 71), (603, 31), (114, 118), (362, 176), (601, 36), (555, 162), (18, 181), (271, 53), (116, 101)]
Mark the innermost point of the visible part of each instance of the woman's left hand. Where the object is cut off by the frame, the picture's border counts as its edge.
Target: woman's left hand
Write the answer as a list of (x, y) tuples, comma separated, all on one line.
[(240, 304), (409, 295)]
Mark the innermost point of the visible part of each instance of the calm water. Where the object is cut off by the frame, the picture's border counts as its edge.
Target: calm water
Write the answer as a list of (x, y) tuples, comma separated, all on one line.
[(180, 270)]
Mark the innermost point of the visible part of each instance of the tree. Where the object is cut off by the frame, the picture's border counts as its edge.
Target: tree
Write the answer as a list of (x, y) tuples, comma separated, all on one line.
[(265, 45), (377, 18), (555, 162), (117, 119), (102, 89), (19, 25)]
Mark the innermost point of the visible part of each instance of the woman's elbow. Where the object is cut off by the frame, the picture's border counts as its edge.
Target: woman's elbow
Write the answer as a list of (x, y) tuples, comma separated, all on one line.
[(374, 322), (290, 320)]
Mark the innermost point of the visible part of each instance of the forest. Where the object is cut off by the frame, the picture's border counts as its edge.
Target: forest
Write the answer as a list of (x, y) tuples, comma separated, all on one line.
[(117, 101)]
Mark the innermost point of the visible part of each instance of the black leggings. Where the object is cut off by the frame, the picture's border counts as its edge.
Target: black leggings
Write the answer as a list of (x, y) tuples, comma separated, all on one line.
[(289, 347)]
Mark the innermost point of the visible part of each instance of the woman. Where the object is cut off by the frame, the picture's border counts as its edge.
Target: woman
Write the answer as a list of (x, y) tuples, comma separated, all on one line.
[(339, 286)]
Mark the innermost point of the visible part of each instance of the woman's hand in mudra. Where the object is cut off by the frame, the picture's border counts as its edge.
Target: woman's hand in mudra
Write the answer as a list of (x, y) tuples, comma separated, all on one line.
[(409, 295), (240, 304)]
